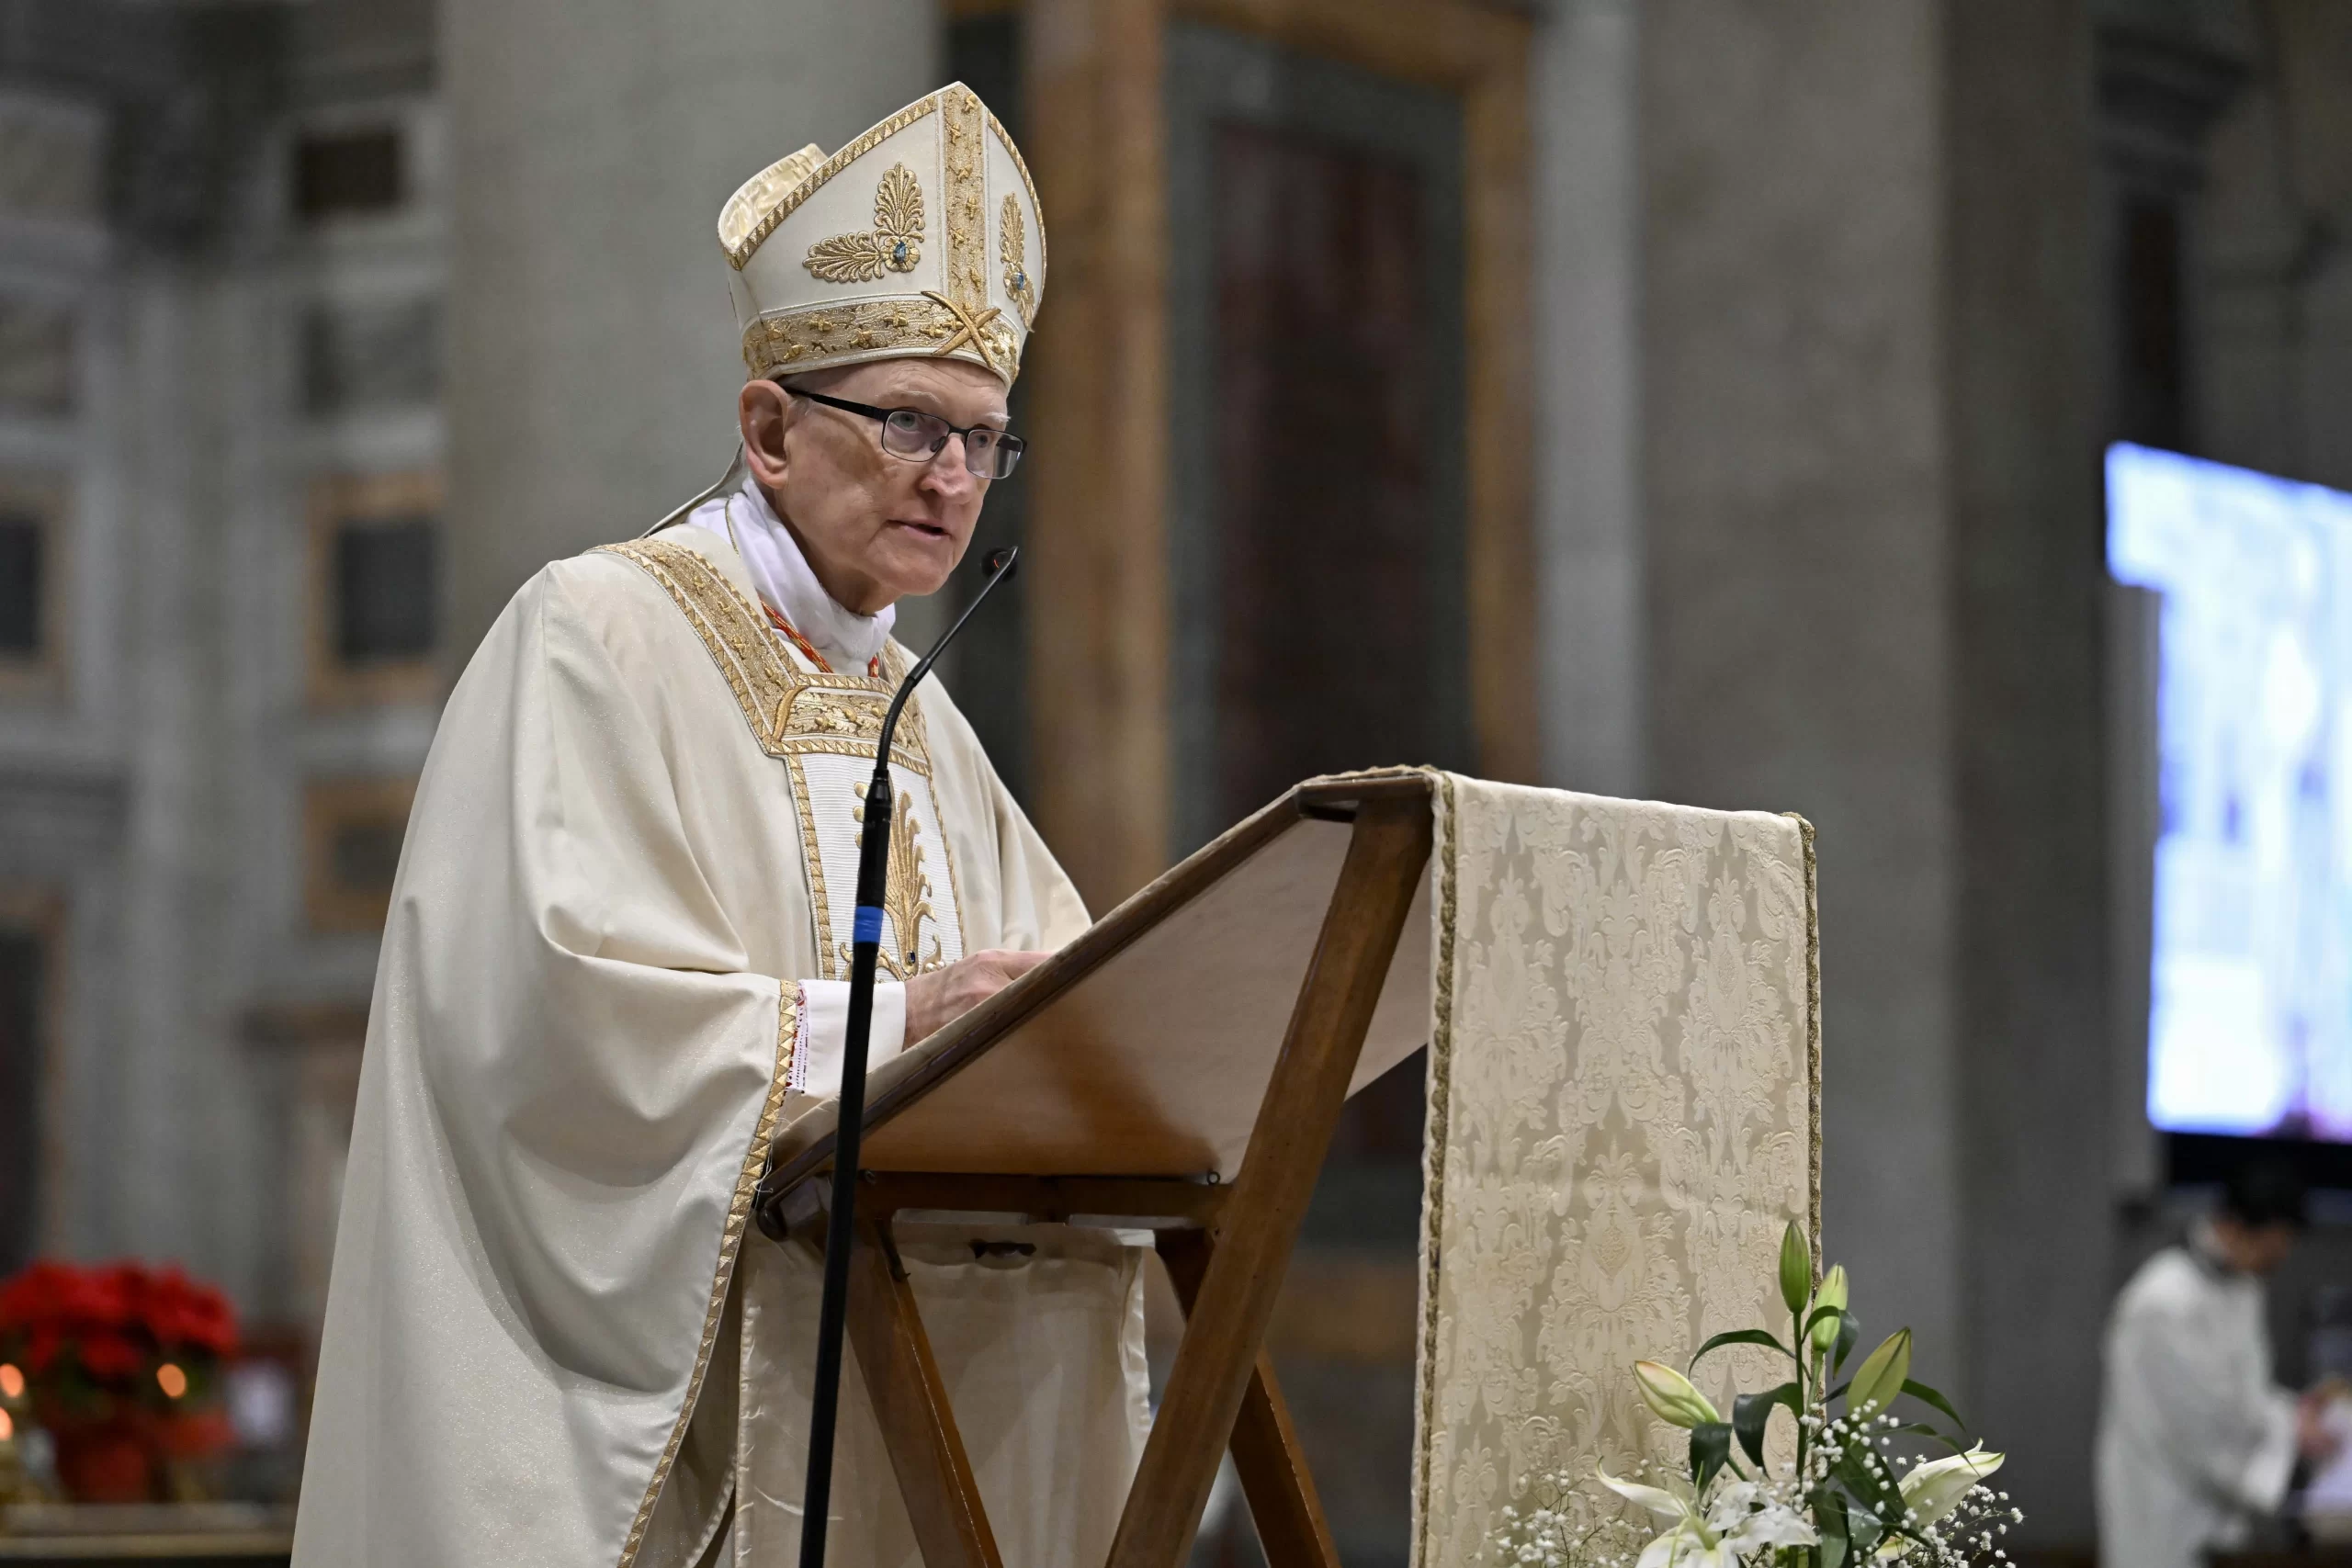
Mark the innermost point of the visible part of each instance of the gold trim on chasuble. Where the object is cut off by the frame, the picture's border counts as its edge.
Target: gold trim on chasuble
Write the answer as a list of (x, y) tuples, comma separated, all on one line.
[(822, 726), (730, 1243)]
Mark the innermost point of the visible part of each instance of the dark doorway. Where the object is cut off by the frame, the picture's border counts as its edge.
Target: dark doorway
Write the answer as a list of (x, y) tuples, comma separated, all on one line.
[(22, 965), (1318, 505)]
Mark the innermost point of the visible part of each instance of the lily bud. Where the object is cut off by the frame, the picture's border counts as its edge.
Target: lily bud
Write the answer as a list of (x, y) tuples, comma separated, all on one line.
[(1830, 1293), (1796, 1266), (1935, 1488), (1878, 1382), (1672, 1395)]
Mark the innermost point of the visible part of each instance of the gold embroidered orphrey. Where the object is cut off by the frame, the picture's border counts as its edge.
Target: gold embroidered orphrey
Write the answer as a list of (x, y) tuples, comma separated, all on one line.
[(1012, 243), (794, 713), (893, 245)]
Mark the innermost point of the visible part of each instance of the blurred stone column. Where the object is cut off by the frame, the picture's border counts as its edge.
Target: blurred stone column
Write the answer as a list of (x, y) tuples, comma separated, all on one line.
[(592, 353), (1870, 473), (1588, 629)]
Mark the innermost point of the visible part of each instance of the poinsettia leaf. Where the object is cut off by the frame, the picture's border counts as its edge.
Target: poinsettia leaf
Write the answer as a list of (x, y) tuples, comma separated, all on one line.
[(1750, 1413), (1710, 1451), (1740, 1337), (1928, 1396)]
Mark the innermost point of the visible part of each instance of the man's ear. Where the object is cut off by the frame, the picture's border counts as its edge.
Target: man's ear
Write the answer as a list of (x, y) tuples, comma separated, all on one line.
[(764, 412)]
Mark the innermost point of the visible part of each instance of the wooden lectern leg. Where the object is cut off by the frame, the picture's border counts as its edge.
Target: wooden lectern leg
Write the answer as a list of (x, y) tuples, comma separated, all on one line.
[(1274, 1472), (926, 1451), (1219, 1354)]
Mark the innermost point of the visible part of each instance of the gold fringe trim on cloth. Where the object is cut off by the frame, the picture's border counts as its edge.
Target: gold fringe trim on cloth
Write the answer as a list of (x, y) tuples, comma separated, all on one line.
[(1433, 1143), (1813, 1024)]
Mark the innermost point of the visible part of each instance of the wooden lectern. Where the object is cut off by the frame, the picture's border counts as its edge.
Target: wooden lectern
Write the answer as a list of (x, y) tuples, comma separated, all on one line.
[(1180, 1068)]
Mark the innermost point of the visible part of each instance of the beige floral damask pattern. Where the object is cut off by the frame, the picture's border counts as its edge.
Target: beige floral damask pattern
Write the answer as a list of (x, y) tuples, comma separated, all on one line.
[(1624, 1092)]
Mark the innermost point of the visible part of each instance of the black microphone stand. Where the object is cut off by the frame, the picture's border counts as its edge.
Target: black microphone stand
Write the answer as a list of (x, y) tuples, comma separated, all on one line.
[(873, 868)]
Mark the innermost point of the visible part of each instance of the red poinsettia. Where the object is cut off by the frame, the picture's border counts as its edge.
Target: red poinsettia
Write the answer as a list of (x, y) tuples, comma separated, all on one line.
[(117, 1358), (117, 1321)]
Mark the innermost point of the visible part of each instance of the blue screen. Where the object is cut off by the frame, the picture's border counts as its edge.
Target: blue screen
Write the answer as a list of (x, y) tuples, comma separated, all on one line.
[(2250, 1001)]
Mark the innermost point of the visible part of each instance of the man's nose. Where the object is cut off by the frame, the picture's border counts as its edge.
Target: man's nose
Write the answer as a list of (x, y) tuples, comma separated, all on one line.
[(947, 469)]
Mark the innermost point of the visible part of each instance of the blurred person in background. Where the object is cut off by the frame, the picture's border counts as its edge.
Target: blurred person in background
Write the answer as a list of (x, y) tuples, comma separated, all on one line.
[(2195, 1442)]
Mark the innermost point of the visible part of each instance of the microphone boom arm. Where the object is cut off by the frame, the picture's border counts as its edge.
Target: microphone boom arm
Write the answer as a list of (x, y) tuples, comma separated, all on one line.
[(865, 948)]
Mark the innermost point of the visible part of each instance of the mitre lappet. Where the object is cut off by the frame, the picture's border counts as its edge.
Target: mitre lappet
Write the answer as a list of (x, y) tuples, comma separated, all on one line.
[(920, 236)]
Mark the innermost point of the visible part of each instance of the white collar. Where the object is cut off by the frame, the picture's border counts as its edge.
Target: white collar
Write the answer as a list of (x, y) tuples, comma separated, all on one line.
[(848, 640)]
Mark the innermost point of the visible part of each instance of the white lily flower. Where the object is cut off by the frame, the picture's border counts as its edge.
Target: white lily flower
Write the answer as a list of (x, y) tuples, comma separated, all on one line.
[(1733, 1525), (1743, 1514), (1657, 1499)]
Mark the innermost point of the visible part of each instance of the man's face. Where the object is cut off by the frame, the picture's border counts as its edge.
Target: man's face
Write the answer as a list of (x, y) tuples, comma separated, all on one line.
[(2254, 1250), (874, 526)]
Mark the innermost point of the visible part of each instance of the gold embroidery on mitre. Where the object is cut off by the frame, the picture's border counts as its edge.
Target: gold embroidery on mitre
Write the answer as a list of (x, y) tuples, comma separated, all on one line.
[(739, 254), (1013, 247), (894, 244), (784, 342), (760, 195), (981, 329), (966, 269)]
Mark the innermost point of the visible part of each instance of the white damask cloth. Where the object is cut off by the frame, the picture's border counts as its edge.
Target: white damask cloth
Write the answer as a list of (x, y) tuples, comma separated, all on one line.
[(1624, 1114)]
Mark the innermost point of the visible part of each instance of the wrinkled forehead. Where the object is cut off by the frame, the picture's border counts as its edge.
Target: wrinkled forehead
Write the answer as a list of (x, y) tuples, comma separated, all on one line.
[(960, 391)]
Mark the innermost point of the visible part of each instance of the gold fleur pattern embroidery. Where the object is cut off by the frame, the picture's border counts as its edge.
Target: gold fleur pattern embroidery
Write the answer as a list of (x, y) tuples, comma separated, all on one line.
[(906, 900), (893, 245), (739, 255), (1013, 246)]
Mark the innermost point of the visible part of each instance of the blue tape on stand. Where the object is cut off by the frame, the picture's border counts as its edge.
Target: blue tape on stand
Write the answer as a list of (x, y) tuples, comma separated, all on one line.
[(869, 927)]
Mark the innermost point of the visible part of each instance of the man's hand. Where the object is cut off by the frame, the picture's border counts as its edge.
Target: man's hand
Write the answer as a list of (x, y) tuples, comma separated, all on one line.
[(2317, 1430), (939, 998)]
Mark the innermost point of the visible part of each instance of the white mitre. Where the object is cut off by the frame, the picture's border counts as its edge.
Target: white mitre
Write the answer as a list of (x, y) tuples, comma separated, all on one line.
[(920, 237)]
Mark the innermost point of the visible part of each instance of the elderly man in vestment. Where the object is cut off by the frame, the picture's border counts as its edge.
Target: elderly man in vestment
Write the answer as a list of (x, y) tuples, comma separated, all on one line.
[(617, 963)]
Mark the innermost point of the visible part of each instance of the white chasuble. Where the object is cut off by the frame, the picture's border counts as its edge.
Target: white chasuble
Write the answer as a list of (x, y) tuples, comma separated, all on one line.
[(616, 945)]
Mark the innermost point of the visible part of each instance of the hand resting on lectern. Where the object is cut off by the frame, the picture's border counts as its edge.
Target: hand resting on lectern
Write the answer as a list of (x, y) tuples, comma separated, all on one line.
[(937, 999)]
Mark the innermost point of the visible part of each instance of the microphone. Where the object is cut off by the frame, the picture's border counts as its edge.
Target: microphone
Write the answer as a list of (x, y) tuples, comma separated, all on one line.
[(873, 868)]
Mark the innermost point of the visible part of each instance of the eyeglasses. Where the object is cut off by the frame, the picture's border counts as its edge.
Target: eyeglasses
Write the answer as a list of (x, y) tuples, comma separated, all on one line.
[(918, 437)]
